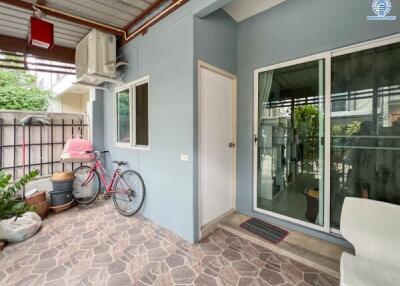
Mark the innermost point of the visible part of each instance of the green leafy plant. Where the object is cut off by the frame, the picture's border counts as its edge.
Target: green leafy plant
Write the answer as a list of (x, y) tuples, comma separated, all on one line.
[(307, 126), (19, 91), (10, 205), (346, 129), (353, 128)]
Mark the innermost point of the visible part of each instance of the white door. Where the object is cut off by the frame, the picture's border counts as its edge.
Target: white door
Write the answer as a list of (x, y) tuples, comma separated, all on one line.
[(217, 91)]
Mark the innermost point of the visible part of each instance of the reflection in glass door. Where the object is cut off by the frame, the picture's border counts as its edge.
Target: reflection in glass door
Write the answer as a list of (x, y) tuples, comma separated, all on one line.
[(290, 177), (365, 127)]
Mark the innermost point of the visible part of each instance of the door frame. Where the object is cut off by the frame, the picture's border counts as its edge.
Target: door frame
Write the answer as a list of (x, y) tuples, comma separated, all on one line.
[(200, 109), (321, 56), (327, 56)]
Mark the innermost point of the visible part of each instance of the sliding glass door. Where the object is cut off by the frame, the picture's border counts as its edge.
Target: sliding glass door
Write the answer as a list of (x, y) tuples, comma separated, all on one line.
[(356, 143), (290, 177), (365, 127)]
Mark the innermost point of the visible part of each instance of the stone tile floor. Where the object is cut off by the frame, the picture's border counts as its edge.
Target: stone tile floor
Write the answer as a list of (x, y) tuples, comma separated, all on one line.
[(97, 246)]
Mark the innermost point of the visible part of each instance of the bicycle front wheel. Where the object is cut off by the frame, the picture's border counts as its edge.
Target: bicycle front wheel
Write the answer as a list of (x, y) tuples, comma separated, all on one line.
[(86, 185), (130, 192)]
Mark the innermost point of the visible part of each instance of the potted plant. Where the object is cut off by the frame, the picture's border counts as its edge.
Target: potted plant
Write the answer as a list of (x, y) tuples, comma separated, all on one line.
[(10, 204)]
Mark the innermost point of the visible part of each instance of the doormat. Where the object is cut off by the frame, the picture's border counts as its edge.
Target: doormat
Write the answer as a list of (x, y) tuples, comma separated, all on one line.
[(265, 230)]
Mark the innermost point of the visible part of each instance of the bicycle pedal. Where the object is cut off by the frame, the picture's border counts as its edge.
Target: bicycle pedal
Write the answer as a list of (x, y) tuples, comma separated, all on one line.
[(107, 196)]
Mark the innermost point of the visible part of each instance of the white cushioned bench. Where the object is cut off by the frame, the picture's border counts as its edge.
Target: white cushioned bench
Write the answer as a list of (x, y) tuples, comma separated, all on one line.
[(373, 228)]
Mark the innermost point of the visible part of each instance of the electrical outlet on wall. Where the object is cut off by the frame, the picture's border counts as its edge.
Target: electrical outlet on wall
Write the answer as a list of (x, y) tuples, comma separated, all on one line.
[(184, 157)]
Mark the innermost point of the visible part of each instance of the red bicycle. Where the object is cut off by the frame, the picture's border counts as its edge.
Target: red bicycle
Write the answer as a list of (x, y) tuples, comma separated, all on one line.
[(125, 187)]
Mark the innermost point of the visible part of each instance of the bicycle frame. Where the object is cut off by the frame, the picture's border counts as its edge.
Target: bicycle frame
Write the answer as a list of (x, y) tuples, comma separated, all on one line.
[(98, 167)]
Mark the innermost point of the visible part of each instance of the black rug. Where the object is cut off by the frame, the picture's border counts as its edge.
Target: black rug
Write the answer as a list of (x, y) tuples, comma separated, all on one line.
[(265, 230)]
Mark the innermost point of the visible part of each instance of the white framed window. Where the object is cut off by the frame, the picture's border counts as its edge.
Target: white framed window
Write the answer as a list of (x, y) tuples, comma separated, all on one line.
[(131, 114)]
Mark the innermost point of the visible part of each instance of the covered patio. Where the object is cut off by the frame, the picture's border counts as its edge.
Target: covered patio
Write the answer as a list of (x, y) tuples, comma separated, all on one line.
[(264, 134), (96, 246)]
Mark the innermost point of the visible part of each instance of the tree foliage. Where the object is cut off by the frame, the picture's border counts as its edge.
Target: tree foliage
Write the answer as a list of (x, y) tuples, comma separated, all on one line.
[(307, 126), (18, 91)]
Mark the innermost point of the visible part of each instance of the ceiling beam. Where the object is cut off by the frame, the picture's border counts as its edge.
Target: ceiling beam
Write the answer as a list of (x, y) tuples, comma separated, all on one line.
[(57, 53), (143, 15), (68, 17)]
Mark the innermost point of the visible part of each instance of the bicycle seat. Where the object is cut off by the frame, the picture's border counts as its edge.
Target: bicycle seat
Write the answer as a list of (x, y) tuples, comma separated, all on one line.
[(120, 163)]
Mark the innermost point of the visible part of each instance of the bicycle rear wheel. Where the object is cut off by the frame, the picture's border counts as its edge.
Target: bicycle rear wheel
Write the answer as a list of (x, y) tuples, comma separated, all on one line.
[(130, 192), (86, 185)]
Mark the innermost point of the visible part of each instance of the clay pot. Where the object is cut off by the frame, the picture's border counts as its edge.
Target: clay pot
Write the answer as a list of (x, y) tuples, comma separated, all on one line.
[(42, 208), (61, 208), (36, 199)]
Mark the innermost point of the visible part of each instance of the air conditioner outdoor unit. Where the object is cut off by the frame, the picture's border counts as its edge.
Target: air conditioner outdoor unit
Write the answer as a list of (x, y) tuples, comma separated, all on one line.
[(95, 58)]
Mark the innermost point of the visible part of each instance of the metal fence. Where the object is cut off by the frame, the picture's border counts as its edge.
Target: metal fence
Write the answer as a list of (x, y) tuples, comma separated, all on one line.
[(43, 143)]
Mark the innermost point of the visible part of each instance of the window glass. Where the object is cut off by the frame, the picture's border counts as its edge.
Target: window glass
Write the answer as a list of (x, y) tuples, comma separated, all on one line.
[(123, 112), (365, 127), (142, 130)]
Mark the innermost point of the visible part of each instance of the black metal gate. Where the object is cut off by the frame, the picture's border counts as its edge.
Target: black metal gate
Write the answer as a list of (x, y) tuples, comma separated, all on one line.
[(49, 147)]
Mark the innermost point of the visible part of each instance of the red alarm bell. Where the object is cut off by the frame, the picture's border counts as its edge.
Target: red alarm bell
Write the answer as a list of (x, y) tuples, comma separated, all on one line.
[(41, 33)]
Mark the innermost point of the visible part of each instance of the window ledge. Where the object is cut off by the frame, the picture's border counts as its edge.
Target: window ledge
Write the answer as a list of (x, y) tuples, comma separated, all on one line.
[(143, 148)]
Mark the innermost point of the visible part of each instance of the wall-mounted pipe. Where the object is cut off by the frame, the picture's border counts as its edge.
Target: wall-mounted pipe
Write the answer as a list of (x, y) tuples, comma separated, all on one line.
[(143, 28)]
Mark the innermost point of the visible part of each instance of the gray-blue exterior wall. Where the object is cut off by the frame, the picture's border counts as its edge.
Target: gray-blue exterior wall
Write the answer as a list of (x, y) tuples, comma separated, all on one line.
[(292, 30), (98, 114), (169, 52), (166, 55), (215, 41)]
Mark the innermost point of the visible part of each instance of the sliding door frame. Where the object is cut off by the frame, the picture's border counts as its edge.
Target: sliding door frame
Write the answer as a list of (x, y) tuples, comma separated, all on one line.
[(327, 57), (316, 57)]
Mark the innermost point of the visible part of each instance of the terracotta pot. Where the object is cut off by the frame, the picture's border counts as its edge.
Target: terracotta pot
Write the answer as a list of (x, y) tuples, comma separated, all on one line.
[(64, 176), (61, 208), (35, 199), (42, 208)]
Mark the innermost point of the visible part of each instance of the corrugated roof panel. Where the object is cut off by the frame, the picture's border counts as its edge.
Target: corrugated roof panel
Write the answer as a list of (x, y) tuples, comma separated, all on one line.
[(142, 4), (114, 12), (14, 22), (68, 25), (13, 19), (121, 7), (14, 25), (87, 12), (12, 32)]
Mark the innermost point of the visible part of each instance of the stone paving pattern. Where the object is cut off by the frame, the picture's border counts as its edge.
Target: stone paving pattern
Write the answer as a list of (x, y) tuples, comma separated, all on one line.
[(98, 246)]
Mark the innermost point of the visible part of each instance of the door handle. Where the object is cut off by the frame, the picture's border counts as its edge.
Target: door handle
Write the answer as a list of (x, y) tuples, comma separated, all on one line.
[(232, 145)]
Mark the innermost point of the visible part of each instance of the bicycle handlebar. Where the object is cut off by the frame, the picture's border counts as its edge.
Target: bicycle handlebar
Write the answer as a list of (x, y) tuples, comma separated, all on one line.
[(93, 151), (96, 153)]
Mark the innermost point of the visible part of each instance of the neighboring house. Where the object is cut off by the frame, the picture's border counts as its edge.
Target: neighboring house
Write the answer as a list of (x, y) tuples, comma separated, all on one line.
[(69, 97), (66, 97)]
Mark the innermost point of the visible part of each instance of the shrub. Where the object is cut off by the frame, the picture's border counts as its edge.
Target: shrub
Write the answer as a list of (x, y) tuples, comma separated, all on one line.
[(10, 205)]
